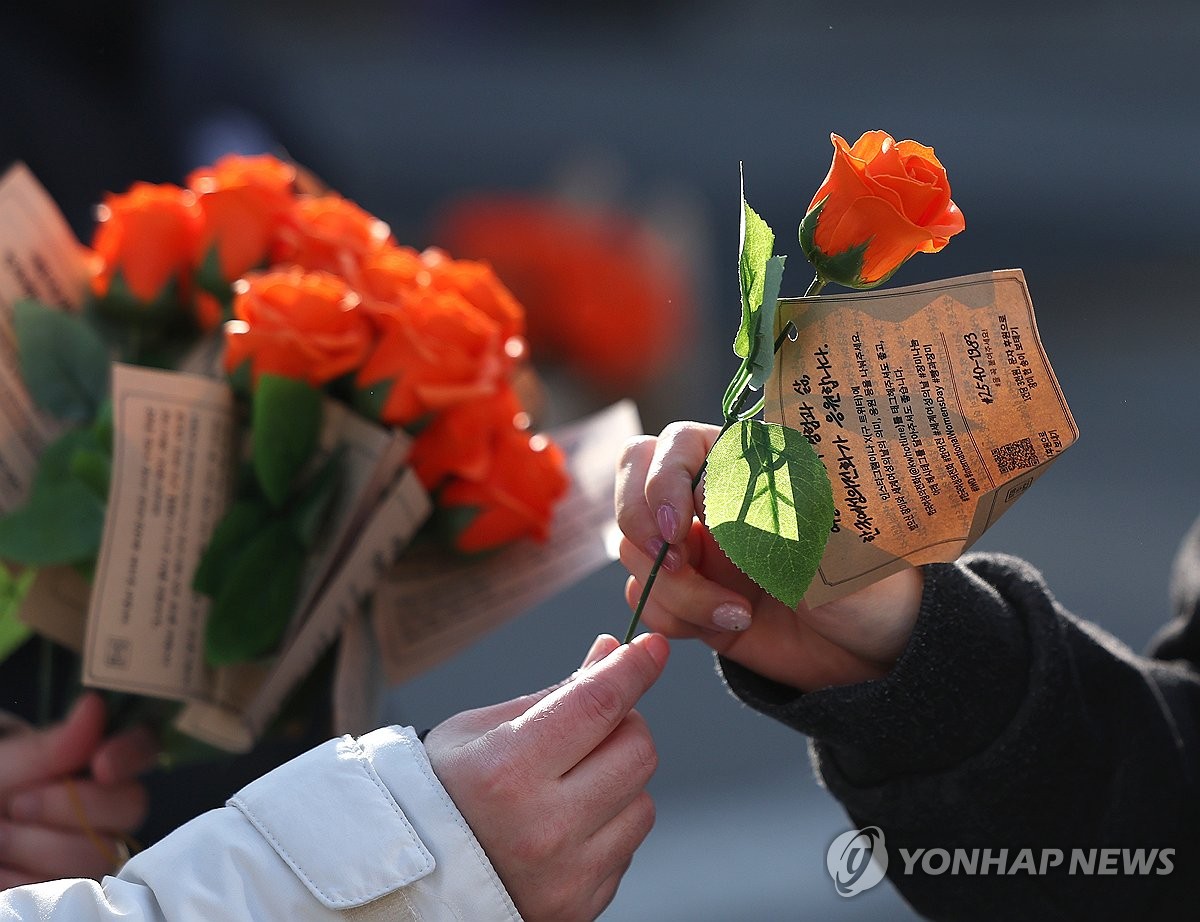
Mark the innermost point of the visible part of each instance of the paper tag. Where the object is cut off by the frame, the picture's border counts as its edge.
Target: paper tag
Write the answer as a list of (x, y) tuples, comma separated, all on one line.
[(173, 457), (434, 602), (56, 606), (39, 258), (933, 408)]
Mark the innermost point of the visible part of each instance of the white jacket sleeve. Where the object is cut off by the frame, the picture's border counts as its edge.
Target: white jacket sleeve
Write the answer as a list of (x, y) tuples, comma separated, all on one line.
[(351, 830)]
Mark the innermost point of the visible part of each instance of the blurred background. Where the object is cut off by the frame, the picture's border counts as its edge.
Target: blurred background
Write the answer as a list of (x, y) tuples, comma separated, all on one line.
[(1069, 132)]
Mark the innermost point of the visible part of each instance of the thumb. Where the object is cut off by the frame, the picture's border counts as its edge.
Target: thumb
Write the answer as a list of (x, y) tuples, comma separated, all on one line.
[(561, 729)]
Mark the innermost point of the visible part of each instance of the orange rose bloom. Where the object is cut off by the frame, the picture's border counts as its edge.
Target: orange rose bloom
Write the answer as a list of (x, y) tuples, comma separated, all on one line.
[(476, 282), (461, 440), (393, 274), (881, 203), (147, 235), (302, 325), (603, 292), (434, 350), (243, 200), (330, 234), (517, 498)]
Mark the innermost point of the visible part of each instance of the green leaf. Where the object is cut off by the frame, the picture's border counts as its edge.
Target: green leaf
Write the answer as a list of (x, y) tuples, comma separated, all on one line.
[(256, 599), (237, 528), (286, 420), (57, 526), (845, 268), (13, 632), (312, 507), (762, 347), (64, 363), (93, 468), (370, 400), (756, 242), (769, 505)]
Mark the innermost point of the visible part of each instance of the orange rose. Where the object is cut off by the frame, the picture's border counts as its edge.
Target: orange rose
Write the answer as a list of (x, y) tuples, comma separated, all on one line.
[(603, 292), (516, 500), (302, 325), (147, 235), (434, 351), (476, 282), (461, 440), (393, 274), (881, 203), (243, 200), (330, 234)]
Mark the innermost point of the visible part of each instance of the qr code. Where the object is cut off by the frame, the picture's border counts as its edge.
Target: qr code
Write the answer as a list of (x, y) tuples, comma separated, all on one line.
[(1015, 455)]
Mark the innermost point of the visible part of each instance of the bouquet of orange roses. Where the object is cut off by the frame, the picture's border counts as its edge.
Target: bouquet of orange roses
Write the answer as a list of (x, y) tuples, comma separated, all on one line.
[(260, 401)]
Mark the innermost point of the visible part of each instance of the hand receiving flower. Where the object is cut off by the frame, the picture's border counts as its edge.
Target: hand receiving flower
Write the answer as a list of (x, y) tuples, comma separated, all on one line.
[(69, 798)]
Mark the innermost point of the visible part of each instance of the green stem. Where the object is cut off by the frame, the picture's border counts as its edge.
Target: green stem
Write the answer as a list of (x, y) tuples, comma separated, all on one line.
[(732, 416)]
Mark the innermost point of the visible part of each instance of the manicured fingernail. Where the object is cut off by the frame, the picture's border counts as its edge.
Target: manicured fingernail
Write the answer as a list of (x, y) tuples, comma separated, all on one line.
[(656, 645), (673, 559), (729, 616), (25, 806), (668, 522)]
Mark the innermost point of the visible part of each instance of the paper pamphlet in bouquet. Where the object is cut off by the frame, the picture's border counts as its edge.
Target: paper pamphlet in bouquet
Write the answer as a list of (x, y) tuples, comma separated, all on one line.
[(933, 408), (135, 618)]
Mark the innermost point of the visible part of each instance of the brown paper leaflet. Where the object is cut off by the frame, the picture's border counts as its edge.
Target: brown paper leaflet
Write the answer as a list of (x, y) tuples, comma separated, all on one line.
[(933, 408)]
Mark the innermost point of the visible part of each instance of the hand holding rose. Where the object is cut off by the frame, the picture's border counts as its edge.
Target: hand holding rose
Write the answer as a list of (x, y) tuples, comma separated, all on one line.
[(700, 593), (52, 779)]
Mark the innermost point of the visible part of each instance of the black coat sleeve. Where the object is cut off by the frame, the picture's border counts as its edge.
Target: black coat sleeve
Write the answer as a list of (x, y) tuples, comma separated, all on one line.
[(1007, 723)]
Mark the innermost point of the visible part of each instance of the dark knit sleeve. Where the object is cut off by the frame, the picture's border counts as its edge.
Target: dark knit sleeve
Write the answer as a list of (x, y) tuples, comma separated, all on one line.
[(1009, 724)]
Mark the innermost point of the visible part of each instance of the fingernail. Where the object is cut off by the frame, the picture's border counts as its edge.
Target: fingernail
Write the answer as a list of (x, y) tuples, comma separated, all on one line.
[(594, 654), (673, 559), (668, 522), (25, 806), (656, 645), (729, 616)]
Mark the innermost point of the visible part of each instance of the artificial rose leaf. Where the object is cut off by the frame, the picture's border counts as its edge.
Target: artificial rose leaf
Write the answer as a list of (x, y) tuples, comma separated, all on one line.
[(762, 346), (64, 363), (286, 425), (57, 526), (769, 505), (756, 241), (237, 528), (311, 509), (13, 632), (256, 598)]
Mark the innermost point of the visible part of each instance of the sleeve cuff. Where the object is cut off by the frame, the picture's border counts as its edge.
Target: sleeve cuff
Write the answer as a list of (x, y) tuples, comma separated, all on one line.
[(952, 691)]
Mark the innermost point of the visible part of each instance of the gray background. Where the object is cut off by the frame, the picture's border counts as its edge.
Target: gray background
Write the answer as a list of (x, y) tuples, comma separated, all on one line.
[(1070, 133)]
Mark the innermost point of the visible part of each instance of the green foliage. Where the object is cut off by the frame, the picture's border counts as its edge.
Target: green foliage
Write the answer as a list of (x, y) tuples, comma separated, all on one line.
[(242, 520), (256, 597), (311, 509), (13, 632), (286, 420), (253, 565), (370, 400), (756, 242), (760, 276), (63, 520), (845, 268), (769, 505), (64, 362)]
